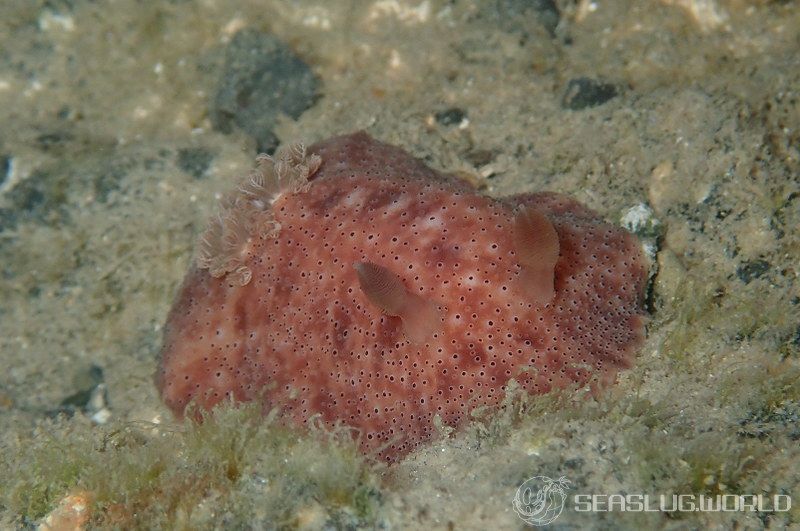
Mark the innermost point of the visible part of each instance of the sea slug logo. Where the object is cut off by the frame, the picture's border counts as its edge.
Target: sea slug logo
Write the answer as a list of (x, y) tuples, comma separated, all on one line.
[(540, 499)]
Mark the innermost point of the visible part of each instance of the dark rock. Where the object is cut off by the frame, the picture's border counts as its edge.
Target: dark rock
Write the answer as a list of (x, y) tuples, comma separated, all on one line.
[(40, 197), (90, 398), (195, 161), (60, 5), (154, 164), (451, 116), (480, 157), (49, 194), (261, 79), (64, 113), (514, 12), (574, 463), (583, 92), (547, 13), (751, 270), (761, 423), (5, 168), (54, 140), (110, 176)]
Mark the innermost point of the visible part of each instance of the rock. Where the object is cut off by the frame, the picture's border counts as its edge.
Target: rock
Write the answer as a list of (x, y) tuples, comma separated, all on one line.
[(40, 197), (55, 140), (53, 193), (261, 79), (5, 168), (513, 12), (195, 161), (641, 221), (91, 400), (451, 116), (583, 92), (72, 513), (751, 270)]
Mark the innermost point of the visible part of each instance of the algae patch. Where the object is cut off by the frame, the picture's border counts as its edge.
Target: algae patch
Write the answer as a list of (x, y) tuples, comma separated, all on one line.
[(235, 469)]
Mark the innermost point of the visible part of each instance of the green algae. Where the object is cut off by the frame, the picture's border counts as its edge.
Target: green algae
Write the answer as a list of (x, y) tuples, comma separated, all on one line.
[(249, 468)]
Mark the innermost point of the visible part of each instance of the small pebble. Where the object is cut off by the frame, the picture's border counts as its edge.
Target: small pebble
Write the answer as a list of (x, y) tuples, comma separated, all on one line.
[(451, 116), (751, 270), (195, 161), (584, 92)]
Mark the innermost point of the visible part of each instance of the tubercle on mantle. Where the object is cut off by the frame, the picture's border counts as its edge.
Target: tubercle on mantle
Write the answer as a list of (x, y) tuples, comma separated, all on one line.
[(247, 212)]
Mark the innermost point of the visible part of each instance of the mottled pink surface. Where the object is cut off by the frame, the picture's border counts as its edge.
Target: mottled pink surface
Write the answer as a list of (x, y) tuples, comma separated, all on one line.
[(302, 335)]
